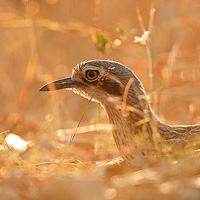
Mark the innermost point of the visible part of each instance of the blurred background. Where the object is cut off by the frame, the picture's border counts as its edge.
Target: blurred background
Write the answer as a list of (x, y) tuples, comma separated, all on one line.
[(42, 40)]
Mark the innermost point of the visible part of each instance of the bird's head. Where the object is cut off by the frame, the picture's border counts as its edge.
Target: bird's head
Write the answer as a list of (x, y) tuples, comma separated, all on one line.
[(101, 79)]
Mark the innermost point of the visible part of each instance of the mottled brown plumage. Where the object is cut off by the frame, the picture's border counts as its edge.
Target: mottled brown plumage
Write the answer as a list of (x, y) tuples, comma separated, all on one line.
[(129, 112)]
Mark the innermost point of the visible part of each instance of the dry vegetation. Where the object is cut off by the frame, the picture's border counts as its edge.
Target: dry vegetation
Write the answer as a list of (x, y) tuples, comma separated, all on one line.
[(41, 40)]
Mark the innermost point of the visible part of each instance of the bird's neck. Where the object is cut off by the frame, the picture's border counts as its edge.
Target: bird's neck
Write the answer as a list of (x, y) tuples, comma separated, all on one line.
[(132, 127)]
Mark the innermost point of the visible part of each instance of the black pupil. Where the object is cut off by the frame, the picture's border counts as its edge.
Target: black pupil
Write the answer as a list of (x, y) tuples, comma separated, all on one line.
[(91, 74)]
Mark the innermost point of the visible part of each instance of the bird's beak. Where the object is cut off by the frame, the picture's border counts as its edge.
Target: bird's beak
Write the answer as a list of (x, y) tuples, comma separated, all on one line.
[(59, 84)]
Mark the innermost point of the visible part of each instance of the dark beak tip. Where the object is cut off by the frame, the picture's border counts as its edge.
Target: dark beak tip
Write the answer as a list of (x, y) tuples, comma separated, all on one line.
[(44, 88), (57, 85)]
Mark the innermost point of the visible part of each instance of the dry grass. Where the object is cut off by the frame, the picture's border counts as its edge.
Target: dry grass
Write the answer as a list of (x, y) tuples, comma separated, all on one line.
[(42, 41)]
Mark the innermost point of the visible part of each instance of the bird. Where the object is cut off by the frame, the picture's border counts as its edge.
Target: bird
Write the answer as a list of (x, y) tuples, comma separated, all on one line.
[(122, 95)]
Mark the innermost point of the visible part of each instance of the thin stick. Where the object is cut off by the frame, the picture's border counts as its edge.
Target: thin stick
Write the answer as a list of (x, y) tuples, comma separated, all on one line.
[(72, 137), (147, 46), (151, 15), (140, 19), (123, 110)]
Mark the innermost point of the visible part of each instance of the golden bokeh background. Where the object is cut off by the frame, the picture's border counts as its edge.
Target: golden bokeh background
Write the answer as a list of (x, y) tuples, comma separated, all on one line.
[(41, 41)]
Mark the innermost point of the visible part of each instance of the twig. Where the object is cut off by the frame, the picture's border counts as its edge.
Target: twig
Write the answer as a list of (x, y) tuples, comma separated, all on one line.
[(72, 137)]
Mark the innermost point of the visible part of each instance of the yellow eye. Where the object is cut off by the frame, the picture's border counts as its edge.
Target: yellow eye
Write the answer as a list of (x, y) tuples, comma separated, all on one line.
[(91, 75)]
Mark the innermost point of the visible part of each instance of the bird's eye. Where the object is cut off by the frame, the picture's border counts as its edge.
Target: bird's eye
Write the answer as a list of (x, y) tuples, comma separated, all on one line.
[(91, 74)]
